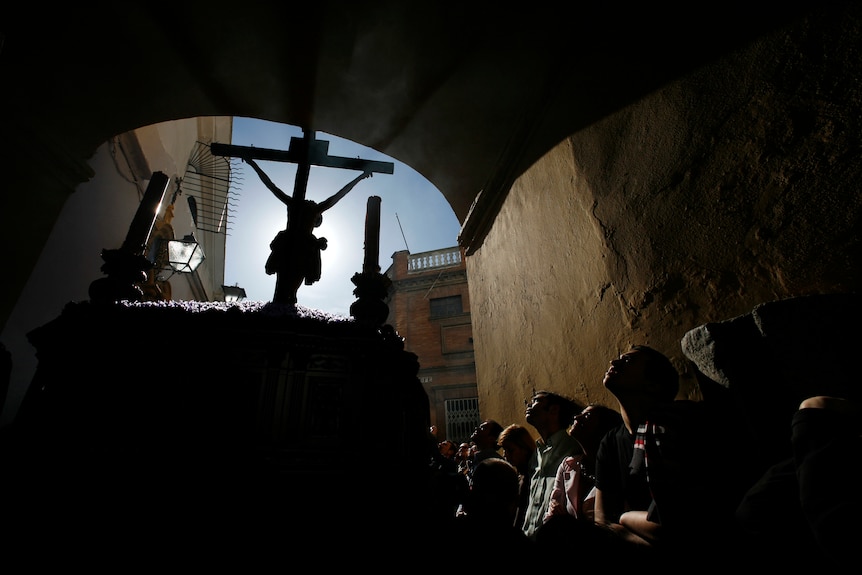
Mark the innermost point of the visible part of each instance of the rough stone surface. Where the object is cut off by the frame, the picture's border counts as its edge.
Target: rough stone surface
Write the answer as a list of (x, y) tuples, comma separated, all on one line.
[(732, 187)]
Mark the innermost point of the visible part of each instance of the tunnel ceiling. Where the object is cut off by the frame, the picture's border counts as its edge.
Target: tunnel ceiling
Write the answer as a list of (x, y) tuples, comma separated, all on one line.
[(468, 94)]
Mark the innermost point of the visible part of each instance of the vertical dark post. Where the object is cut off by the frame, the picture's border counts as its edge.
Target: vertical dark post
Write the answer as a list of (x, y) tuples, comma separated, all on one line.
[(372, 287), (127, 266), (303, 167), (145, 216), (372, 236)]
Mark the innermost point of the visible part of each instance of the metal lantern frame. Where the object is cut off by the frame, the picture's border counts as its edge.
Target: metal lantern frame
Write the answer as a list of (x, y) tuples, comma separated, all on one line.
[(233, 294), (185, 255)]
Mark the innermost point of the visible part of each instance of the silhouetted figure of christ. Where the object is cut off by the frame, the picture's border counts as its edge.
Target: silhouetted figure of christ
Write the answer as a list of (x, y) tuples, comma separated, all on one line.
[(296, 250)]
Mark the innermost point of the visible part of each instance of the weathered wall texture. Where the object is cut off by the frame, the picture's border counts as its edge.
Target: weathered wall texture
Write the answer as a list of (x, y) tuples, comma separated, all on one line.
[(735, 186)]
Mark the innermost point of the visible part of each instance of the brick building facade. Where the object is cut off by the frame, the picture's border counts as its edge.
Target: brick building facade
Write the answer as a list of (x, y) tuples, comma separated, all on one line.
[(429, 306)]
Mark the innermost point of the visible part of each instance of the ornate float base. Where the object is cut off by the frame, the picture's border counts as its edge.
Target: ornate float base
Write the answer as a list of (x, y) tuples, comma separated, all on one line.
[(217, 423)]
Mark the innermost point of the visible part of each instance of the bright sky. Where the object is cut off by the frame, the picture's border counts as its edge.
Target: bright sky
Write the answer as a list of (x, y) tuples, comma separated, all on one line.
[(427, 222)]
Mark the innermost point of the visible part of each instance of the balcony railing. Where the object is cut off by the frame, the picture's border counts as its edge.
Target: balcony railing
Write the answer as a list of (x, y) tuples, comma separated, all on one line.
[(447, 257)]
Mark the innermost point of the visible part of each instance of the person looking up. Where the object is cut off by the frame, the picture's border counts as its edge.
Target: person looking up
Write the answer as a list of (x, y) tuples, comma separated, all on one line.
[(642, 380), (656, 485), (575, 484), (519, 449), (489, 512), (485, 438), (448, 449), (550, 414)]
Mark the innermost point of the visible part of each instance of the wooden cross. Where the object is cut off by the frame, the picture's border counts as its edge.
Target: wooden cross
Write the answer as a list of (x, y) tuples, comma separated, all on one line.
[(291, 270), (306, 151)]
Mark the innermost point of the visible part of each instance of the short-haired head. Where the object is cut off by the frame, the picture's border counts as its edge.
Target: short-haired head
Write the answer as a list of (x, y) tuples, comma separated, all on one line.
[(494, 490), (568, 408), (660, 372), (518, 435)]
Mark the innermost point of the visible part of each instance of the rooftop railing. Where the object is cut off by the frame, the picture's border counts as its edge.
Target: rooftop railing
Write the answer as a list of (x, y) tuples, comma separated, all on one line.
[(447, 257)]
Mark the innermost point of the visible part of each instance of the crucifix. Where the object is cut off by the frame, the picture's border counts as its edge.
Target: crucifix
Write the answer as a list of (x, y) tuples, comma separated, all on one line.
[(296, 250)]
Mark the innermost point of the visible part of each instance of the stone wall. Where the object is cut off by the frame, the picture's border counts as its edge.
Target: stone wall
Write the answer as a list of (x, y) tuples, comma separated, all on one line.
[(735, 186)]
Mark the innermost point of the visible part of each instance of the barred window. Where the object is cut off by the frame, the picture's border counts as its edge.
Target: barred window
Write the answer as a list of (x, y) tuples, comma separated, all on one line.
[(446, 306), (462, 417)]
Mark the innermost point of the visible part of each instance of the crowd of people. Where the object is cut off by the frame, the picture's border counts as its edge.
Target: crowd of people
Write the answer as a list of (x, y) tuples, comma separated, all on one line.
[(648, 484)]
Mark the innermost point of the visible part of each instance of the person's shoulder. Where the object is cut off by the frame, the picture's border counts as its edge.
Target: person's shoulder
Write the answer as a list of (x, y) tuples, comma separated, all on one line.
[(618, 434), (614, 438), (685, 418), (573, 446), (562, 438), (486, 454)]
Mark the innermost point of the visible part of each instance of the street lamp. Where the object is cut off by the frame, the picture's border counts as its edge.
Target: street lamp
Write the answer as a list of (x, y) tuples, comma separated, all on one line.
[(233, 293), (185, 255)]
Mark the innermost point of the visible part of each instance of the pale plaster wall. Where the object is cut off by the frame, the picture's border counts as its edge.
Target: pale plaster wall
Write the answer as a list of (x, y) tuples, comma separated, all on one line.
[(735, 186)]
